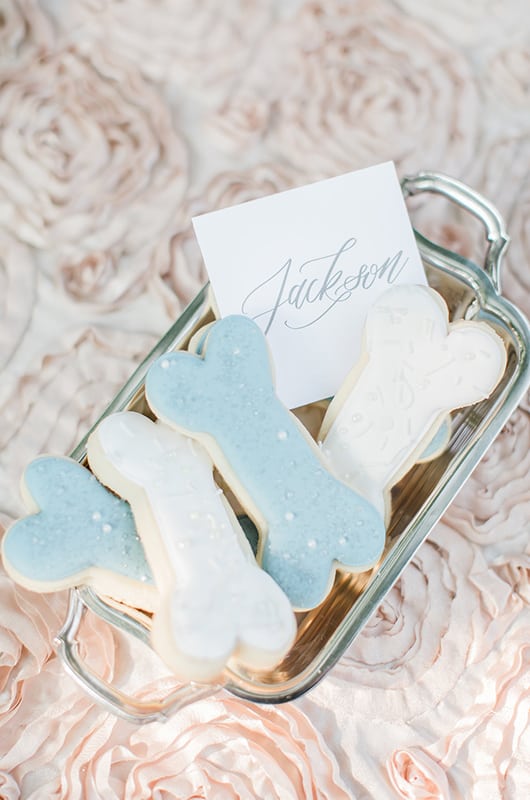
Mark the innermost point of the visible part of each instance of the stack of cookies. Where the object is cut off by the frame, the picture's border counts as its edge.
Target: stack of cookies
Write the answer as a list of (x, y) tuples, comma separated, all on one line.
[(146, 524)]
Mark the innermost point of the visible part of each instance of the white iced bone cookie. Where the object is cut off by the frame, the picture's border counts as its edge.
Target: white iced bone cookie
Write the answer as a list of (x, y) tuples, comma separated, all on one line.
[(414, 370), (215, 602)]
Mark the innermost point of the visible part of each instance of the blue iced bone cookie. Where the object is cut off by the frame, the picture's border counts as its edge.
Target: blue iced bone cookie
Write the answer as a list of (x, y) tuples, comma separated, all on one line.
[(80, 533), (309, 520)]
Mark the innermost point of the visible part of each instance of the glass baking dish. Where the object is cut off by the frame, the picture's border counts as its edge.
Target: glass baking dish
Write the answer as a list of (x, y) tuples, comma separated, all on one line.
[(418, 501)]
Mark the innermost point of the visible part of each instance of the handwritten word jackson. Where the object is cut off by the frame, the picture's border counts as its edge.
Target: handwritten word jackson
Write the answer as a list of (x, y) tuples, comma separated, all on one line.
[(318, 285)]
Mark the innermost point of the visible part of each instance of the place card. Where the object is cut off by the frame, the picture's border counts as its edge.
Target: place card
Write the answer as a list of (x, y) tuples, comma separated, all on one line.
[(306, 265)]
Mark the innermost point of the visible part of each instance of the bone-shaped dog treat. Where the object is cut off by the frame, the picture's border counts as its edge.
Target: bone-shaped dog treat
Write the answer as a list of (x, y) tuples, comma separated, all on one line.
[(415, 369), (78, 533), (214, 599), (309, 521)]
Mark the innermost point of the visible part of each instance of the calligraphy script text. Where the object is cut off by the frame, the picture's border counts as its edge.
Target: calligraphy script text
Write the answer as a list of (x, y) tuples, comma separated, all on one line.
[(319, 284)]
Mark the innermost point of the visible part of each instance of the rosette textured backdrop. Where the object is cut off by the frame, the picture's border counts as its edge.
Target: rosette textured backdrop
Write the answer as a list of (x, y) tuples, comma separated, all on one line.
[(118, 121)]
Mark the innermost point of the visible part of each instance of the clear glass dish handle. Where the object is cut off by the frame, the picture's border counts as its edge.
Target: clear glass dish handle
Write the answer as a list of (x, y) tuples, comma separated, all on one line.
[(107, 695), (475, 204)]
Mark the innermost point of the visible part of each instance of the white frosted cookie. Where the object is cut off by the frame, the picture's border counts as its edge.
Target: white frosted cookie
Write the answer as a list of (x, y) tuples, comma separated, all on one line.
[(215, 602), (415, 368)]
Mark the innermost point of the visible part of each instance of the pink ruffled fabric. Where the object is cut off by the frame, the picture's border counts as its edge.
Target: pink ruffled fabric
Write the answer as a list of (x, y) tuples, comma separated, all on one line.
[(415, 776), (27, 626), (216, 748), (200, 47), (120, 121), (54, 717), (480, 22), (26, 31), (18, 294), (493, 508), (111, 171), (350, 84)]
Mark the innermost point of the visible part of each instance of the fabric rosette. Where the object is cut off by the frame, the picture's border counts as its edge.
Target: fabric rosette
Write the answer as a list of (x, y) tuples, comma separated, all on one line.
[(214, 748), (345, 85), (91, 171), (25, 30), (54, 714), (27, 627), (415, 776), (18, 295), (415, 657), (493, 507), (198, 47)]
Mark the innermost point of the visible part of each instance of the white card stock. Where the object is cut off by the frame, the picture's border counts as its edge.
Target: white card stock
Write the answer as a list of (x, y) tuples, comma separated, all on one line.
[(306, 265)]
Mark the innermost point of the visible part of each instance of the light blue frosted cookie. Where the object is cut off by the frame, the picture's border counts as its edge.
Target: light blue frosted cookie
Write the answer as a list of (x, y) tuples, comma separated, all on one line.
[(80, 534), (309, 520)]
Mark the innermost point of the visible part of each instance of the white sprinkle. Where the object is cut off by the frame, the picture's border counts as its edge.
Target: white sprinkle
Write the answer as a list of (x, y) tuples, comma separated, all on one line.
[(282, 435), (106, 528), (289, 516), (96, 516), (311, 543), (164, 363)]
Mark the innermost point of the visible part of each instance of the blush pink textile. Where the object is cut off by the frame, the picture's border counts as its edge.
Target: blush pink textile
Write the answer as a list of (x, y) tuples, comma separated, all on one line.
[(119, 120)]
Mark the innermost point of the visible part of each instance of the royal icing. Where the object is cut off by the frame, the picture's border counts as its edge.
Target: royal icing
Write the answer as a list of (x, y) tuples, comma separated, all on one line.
[(214, 600), (415, 370), (80, 534), (309, 520)]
